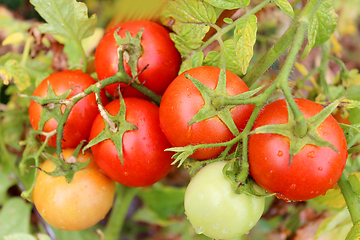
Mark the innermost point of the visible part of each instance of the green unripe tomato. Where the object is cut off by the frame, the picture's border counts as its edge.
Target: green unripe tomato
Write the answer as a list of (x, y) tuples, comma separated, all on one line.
[(215, 210)]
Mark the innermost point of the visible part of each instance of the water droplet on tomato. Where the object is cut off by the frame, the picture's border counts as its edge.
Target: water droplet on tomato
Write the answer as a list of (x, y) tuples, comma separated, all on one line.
[(293, 186), (320, 168), (311, 154), (271, 171), (251, 223), (225, 231), (331, 181), (216, 226), (280, 153), (144, 138), (126, 173), (199, 229)]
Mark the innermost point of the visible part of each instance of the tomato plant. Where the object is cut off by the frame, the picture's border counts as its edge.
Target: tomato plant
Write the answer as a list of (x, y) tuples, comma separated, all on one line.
[(78, 124), (159, 53), (213, 72), (182, 101), (215, 210), (144, 159), (74, 205), (312, 171)]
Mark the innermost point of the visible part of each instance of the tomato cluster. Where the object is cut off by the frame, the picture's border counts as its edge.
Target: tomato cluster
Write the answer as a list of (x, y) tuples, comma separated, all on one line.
[(130, 138), (144, 160)]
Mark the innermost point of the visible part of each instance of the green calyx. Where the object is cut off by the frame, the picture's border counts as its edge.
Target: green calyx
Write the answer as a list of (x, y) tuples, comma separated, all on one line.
[(311, 137), (66, 168), (232, 172), (115, 127), (213, 102), (132, 48), (51, 105)]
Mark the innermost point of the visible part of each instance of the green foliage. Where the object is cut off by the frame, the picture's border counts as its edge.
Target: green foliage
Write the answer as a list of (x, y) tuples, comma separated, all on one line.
[(321, 26), (15, 217), (66, 18)]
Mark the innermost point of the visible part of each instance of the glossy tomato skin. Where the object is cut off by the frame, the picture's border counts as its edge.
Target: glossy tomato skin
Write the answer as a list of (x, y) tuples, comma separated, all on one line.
[(215, 210), (78, 124), (77, 205), (145, 161), (158, 51), (312, 171), (182, 100)]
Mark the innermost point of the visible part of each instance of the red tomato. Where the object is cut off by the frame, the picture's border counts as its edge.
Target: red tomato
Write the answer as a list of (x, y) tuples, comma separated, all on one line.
[(145, 161), (312, 171), (182, 100), (78, 124), (158, 51)]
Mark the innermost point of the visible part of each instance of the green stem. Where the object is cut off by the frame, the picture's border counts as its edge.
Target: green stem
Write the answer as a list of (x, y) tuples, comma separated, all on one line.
[(300, 127), (118, 78), (26, 52), (351, 198), (231, 26), (281, 45), (323, 68), (121, 205)]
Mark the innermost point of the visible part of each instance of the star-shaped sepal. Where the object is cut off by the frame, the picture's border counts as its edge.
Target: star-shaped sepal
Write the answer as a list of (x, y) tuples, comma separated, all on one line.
[(310, 138), (115, 127)]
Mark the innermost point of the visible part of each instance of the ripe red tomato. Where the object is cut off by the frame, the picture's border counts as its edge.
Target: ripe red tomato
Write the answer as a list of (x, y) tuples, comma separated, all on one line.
[(145, 161), (76, 205), (158, 51), (312, 171), (182, 100), (78, 124)]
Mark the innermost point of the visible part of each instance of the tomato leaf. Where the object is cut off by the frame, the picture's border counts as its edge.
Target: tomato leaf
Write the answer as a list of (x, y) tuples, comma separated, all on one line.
[(332, 199), (6, 181), (196, 60), (165, 201), (67, 18), (13, 72), (229, 4), (24, 236), (232, 61), (321, 26), (286, 7), (191, 23), (15, 217), (352, 133), (244, 39), (332, 222), (354, 233), (355, 183)]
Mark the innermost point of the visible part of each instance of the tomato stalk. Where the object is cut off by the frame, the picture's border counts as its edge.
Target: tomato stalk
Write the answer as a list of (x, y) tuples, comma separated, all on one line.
[(281, 45), (300, 127), (121, 205), (351, 198), (222, 31)]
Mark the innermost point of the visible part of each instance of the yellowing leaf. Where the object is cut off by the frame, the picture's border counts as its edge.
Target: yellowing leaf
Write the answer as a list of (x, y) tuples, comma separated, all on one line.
[(244, 39), (285, 6), (16, 37), (13, 72)]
